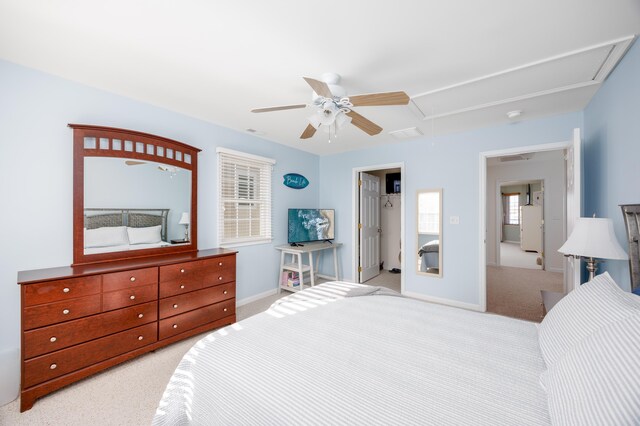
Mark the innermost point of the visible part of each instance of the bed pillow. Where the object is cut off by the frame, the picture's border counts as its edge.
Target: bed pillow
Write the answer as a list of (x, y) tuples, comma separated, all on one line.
[(105, 237), (586, 309), (597, 382), (147, 235)]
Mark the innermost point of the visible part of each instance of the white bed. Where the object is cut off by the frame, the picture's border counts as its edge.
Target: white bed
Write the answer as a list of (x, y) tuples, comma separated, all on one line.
[(124, 247), (318, 357)]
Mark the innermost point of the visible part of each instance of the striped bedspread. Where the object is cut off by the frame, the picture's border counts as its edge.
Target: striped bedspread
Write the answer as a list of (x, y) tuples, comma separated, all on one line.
[(318, 357)]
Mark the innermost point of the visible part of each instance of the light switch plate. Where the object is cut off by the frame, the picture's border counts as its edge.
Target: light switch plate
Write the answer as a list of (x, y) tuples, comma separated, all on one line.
[(454, 220)]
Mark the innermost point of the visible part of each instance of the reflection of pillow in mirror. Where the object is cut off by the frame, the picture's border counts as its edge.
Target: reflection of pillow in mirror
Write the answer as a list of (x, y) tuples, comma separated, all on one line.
[(105, 237), (148, 235)]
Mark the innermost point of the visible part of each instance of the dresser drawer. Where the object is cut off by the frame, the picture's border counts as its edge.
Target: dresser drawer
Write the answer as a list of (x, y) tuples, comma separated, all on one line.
[(180, 323), (128, 279), (46, 367), (129, 297), (187, 302), (179, 286), (53, 291), (185, 271), (60, 336), (66, 310)]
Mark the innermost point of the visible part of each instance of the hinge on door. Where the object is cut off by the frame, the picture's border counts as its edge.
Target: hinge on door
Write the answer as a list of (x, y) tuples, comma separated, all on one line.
[(359, 268), (359, 226), (359, 182)]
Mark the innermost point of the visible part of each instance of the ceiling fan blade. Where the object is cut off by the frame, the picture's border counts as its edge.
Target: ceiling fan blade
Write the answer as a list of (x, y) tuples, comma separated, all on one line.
[(375, 99), (133, 163), (279, 108), (364, 124), (308, 132), (320, 87)]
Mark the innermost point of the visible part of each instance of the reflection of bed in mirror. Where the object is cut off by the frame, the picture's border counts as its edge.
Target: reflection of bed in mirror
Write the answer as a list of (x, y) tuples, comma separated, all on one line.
[(429, 257), (107, 230)]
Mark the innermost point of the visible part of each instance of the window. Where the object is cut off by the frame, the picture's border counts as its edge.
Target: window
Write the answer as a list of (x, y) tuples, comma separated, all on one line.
[(512, 209), (429, 213), (244, 198)]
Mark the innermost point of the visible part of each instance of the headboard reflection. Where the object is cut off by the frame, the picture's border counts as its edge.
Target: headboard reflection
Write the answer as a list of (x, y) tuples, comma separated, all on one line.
[(631, 213), (134, 218)]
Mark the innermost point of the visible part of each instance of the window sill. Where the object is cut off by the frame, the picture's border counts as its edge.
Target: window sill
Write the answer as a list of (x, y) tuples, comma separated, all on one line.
[(246, 243)]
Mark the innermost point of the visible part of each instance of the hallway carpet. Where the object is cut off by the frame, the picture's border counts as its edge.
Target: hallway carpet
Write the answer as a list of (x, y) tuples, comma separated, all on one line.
[(515, 292)]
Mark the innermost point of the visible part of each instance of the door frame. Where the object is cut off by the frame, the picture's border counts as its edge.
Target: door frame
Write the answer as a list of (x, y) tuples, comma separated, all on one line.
[(355, 213), (482, 213)]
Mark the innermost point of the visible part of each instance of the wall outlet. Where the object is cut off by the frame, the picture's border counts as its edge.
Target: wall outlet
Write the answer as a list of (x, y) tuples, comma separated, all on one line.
[(454, 220)]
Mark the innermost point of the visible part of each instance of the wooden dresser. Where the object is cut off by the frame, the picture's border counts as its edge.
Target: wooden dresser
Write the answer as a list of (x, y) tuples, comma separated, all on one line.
[(77, 321)]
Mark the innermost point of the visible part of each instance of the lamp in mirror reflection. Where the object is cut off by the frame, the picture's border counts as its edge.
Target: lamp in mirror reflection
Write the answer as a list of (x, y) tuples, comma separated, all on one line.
[(593, 239), (184, 220)]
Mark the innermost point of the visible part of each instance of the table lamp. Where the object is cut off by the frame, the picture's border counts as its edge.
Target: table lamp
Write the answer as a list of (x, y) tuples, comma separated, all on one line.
[(184, 220), (592, 239)]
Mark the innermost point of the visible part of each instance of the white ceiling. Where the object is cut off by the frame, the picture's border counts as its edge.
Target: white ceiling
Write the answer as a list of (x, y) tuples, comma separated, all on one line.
[(463, 63)]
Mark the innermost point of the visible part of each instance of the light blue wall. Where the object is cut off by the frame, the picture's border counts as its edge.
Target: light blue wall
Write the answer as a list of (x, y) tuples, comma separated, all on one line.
[(450, 162), (612, 151), (36, 179)]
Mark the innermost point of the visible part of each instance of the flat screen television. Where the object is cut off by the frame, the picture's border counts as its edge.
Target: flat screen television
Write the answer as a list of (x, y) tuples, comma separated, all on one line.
[(307, 225)]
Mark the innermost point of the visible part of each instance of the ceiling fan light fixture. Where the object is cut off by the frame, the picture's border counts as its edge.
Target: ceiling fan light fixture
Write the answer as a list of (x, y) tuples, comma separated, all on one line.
[(314, 120)]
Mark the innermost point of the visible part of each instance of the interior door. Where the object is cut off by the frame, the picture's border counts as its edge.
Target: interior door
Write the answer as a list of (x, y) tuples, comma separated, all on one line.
[(369, 226), (574, 206)]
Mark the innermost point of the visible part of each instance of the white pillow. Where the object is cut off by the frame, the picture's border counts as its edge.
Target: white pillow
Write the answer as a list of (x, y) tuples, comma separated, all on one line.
[(583, 311), (148, 235), (105, 237), (597, 382)]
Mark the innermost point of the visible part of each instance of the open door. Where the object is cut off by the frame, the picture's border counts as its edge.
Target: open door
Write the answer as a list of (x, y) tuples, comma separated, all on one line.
[(369, 227), (574, 206)]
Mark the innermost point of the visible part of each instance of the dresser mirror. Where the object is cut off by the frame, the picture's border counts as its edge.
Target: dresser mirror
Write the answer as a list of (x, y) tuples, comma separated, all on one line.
[(134, 195), (429, 226)]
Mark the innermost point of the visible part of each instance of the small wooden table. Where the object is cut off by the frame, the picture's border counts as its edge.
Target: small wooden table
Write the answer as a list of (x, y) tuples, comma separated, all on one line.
[(296, 263)]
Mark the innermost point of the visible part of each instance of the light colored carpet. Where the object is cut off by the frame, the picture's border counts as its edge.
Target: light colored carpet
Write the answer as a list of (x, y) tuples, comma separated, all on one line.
[(515, 292), (386, 279), (512, 255), (127, 394)]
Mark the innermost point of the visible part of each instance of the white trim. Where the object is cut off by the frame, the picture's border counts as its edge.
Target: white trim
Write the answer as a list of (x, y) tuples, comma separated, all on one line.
[(244, 155), (482, 213), (447, 302), (259, 296), (509, 241), (354, 217)]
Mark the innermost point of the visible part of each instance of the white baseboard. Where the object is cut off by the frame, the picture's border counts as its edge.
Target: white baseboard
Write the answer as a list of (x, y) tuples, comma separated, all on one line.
[(492, 264), (448, 302), (256, 297), (10, 373), (511, 242)]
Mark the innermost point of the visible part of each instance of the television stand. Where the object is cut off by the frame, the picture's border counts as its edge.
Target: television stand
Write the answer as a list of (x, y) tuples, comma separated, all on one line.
[(291, 260)]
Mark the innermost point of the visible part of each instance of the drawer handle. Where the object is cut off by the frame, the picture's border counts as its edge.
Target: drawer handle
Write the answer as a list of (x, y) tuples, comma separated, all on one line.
[(140, 315), (132, 279), (140, 337), (132, 297), (175, 325), (219, 278), (225, 309), (182, 271), (65, 312), (220, 264), (53, 339), (66, 290), (181, 285), (225, 292), (53, 366), (175, 306)]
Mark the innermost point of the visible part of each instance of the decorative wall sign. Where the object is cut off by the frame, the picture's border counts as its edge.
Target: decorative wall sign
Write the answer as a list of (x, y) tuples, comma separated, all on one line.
[(295, 181)]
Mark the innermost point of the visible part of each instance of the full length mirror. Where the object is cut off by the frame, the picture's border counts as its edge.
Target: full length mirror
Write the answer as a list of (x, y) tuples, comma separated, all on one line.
[(134, 205), (429, 226), (134, 195)]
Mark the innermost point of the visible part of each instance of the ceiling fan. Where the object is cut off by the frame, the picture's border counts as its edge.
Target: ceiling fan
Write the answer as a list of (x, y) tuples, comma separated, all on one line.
[(335, 109)]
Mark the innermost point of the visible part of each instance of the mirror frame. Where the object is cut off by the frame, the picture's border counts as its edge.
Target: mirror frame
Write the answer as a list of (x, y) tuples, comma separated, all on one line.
[(82, 131), (418, 192)]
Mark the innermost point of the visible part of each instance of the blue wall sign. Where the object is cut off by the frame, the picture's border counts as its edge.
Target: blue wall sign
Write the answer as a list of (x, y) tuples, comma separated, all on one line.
[(295, 181)]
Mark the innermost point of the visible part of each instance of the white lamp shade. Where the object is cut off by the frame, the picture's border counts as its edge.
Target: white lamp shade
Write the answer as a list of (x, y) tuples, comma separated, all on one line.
[(593, 237), (184, 219)]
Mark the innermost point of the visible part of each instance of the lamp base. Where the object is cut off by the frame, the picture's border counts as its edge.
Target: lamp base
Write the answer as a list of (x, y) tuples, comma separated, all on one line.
[(592, 266), (186, 232)]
